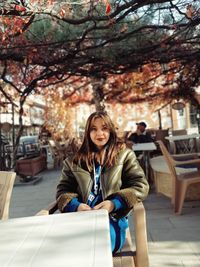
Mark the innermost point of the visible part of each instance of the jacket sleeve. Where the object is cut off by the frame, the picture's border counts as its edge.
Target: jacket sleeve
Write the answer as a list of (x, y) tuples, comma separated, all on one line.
[(134, 187), (67, 187)]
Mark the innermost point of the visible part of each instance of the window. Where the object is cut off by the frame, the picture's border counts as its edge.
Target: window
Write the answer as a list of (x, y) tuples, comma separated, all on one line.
[(193, 116)]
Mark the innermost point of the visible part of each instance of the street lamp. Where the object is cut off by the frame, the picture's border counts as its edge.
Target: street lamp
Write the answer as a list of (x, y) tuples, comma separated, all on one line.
[(178, 105)]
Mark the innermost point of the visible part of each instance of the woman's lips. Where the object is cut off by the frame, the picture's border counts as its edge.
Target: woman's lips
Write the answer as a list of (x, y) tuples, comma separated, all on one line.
[(100, 139)]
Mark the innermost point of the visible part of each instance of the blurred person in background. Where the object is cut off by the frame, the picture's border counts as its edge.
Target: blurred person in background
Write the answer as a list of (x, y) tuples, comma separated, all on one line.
[(141, 135)]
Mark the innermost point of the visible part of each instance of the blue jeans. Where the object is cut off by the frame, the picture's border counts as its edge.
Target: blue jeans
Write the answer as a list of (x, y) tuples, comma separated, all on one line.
[(118, 233)]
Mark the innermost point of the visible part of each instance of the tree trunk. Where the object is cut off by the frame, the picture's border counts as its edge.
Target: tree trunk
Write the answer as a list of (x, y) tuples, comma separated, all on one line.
[(98, 96), (21, 127)]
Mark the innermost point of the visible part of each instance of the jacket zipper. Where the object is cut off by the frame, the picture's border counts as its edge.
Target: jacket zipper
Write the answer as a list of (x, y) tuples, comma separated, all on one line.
[(90, 186), (101, 185), (88, 191)]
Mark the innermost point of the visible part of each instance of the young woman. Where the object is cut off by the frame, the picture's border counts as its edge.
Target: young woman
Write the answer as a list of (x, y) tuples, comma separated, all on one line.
[(104, 174)]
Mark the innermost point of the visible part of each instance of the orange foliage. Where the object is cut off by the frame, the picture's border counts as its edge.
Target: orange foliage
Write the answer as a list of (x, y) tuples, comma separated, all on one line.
[(59, 103), (12, 25), (150, 83), (58, 117)]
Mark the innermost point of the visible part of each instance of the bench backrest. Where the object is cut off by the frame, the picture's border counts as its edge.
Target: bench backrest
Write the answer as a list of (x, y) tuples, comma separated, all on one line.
[(6, 185)]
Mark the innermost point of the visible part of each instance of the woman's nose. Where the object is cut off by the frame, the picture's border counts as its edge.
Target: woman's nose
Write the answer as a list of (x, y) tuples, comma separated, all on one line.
[(99, 132)]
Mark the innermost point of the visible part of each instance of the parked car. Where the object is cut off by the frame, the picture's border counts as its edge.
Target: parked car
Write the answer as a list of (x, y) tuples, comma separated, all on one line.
[(29, 147)]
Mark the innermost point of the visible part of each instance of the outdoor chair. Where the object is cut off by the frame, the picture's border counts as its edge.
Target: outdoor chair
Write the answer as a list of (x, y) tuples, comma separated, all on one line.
[(57, 154), (6, 185), (161, 134), (128, 256), (181, 181), (179, 145)]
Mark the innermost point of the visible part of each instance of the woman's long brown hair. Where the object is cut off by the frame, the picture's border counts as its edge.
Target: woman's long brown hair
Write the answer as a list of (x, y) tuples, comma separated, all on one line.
[(87, 151)]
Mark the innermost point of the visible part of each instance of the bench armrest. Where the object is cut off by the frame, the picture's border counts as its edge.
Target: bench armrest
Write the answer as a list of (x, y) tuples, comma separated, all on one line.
[(139, 220), (53, 207)]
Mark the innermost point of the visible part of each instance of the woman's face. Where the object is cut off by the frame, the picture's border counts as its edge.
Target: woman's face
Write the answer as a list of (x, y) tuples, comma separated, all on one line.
[(99, 133)]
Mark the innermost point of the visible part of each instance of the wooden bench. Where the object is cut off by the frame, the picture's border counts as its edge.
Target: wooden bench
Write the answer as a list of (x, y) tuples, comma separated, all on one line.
[(6, 185), (163, 179), (130, 255)]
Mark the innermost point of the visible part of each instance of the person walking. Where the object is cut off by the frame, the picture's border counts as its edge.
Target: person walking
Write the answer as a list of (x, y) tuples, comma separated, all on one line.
[(103, 174)]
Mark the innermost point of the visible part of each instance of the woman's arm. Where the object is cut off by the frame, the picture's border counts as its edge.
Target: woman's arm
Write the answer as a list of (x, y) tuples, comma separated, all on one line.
[(134, 187), (67, 187), (133, 178)]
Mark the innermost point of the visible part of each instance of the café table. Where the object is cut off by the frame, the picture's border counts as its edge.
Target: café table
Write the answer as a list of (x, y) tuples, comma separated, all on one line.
[(181, 144), (59, 240), (145, 148)]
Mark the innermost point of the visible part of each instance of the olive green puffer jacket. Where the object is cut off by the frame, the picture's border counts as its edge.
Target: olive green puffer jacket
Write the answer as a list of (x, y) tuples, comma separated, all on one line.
[(125, 179)]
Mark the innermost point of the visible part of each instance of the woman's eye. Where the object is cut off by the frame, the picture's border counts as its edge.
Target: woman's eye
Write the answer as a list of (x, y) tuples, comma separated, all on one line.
[(92, 129), (105, 128)]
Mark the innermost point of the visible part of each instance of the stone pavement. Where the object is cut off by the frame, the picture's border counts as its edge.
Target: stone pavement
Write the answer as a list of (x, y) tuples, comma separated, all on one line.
[(173, 240)]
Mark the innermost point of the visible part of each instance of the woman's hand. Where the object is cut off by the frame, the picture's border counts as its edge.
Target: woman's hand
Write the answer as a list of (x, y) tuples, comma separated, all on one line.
[(107, 205), (83, 207)]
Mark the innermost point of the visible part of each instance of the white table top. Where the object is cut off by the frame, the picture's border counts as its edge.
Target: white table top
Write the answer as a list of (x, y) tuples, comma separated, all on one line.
[(60, 240), (181, 137), (144, 146)]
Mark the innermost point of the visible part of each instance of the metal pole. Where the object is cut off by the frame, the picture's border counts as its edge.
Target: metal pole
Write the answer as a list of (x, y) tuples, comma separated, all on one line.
[(160, 121), (171, 115), (13, 126), (0, 144), (198, 119)]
